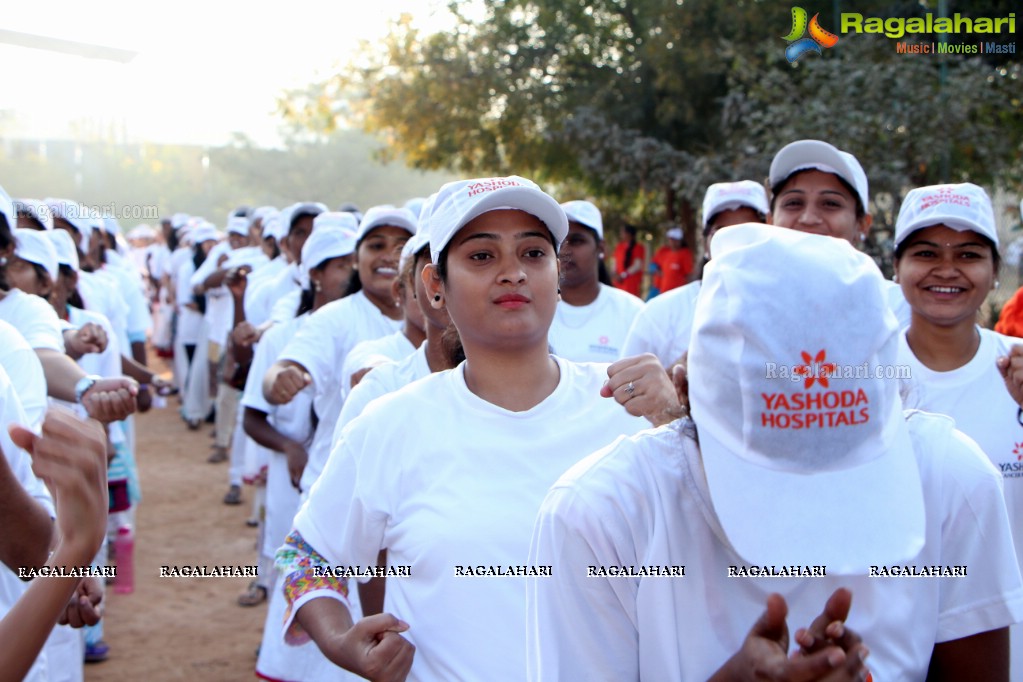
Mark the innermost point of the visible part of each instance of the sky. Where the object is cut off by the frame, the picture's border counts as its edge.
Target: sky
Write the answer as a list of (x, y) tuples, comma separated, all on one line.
[(204, 68)]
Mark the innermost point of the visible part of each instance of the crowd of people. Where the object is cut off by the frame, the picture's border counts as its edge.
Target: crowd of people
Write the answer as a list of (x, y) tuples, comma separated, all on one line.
[(474, 452)]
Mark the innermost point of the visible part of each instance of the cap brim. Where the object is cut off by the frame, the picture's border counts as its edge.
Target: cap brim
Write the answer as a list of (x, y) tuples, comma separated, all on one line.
[(807, 154), (956, 222), (533, 201), (847, 520)]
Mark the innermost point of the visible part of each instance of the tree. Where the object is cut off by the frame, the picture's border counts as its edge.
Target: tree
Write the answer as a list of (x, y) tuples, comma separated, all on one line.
[(645, 102)]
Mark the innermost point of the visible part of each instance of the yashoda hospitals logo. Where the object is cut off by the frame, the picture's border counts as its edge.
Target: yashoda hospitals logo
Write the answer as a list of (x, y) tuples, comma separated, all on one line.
[(815, 369), (818, 38)]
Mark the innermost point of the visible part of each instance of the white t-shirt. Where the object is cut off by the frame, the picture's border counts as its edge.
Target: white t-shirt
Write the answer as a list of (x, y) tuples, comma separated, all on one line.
[(371, 353), (321, 346), (976, 398), (664, 325), (137, 320), (442, 478), (293, 420), (898, 304), (259, 306), (12, 587), (190, 321), (645, 502), (286, 306), (34, 318), (25, 372), (385, 378), (100, 292), (594, 332)]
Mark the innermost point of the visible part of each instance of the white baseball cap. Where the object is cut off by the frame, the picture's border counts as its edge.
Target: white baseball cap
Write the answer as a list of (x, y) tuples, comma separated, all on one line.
[(111, 225), (674, 233), (76, 215), (292, 213), (238, 225), (34, 247), (336, 219), (38, 210), (818, 155), (415, 204), (65, 249), (962, 207), (806, 449), (728, 196), (179, 220), (204, 232), (326, 242), (142, 231), (379, 216), (585, 213), (460, 201)]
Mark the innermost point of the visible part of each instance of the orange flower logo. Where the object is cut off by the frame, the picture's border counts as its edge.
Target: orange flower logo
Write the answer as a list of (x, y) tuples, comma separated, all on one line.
[(815, 369)]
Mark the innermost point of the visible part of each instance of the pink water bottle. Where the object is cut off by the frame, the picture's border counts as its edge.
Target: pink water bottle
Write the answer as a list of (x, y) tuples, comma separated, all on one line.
[(124, 548)]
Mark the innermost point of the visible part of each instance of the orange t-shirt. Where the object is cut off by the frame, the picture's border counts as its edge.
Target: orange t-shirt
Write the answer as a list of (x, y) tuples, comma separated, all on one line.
[(634, 282), (675, 265), (1010, 320)]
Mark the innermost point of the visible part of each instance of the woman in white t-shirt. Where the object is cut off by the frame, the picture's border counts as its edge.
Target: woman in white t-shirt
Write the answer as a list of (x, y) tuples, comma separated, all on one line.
[(946, 260), (798, 484), (447, 473), (665, 323), (316, 354), (819, 189), (285, 432), (592, 317)]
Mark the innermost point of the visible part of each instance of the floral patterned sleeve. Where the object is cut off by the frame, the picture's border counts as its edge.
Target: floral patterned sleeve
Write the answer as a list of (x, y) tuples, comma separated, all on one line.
[(306, 576)]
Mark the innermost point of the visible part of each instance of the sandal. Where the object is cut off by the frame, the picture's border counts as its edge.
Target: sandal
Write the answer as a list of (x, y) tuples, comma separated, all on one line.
[(233, 496), (254, 596), (218, 455)]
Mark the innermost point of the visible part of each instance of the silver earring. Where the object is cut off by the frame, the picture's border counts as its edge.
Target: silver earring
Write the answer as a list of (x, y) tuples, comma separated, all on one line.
[(436, 297)]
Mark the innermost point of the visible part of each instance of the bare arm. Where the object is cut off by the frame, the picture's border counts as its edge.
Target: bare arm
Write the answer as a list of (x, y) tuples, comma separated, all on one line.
[(28, 528), (984, 656)]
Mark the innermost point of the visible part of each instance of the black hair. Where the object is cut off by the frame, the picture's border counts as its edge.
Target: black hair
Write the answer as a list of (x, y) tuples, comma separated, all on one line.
[(74, 299), (172, 240), (6, 236), (996, 258), (36, 225), (861, 210), (710, 223), (305, 302), (354, 284), (629, 252), (198, 258)]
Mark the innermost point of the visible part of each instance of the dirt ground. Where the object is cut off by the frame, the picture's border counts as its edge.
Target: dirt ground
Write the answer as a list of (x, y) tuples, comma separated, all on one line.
[(182, 628)]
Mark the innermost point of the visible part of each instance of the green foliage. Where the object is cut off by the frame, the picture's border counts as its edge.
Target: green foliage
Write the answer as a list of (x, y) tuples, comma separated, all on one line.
[(643, 103)]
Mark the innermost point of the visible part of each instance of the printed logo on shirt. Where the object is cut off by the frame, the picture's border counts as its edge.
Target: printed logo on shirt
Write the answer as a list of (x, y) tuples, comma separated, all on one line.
[(1013, 469)]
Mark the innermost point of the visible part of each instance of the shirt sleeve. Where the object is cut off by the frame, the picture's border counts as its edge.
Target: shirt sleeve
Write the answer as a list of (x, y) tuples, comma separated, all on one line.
[(580, 627), (38, 323), (316, 344), (975, 534), (306, 576)]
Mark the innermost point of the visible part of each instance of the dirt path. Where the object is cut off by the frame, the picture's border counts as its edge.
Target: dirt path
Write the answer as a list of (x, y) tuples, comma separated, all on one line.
[(182, 628)]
